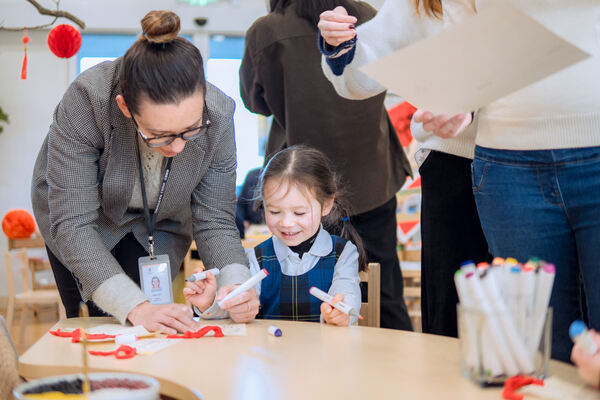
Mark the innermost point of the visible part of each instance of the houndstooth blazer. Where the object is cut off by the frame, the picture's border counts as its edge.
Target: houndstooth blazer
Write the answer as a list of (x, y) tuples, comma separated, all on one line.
[(84, 176)]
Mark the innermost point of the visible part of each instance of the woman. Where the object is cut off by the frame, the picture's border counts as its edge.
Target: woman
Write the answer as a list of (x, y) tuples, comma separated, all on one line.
[(537, 166), (450, 227), (139, 158), (281, 76)]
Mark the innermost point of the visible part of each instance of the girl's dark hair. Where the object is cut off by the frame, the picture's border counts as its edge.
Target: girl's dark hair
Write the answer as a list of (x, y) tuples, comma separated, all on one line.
[(160, 65), (311, 169), (311, 9)]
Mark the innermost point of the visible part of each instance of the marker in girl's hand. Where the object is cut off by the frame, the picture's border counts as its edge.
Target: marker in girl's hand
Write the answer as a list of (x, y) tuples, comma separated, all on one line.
[(581, 336), (201, 275), (249, 284), (343, 307)]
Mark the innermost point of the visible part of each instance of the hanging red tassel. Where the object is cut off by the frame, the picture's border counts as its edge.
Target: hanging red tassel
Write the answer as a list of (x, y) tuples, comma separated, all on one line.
[(25, 40)]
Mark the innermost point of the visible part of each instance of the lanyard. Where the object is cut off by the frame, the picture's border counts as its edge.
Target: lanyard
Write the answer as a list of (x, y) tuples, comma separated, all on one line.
[(150, 218)]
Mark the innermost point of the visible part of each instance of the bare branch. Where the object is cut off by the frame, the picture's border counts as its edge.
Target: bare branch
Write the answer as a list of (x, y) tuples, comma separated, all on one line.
[(46, 11)]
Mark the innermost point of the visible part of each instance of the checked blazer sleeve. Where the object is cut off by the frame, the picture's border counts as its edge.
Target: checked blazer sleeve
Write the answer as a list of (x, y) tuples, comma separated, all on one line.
[(75, 142)]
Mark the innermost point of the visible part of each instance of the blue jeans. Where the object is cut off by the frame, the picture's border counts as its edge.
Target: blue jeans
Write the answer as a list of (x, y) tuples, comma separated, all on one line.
[(546, 203)]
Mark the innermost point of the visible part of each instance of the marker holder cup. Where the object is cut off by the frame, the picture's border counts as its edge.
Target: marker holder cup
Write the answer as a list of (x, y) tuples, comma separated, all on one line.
[(478, 351)]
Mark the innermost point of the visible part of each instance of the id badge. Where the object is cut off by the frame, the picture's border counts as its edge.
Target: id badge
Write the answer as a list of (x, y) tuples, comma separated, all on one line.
[(155, 279)]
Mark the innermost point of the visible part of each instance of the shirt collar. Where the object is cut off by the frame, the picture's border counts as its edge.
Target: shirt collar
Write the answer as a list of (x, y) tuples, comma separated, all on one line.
[(320, 248)]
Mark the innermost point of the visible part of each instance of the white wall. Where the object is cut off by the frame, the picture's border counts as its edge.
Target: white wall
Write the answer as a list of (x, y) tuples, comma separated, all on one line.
[(30, 103)]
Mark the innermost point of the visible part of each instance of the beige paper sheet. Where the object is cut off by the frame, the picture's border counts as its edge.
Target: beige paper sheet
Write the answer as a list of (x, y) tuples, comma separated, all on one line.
[(468, 66)]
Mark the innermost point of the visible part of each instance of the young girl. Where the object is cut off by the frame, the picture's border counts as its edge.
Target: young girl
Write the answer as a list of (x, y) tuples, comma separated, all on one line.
[(299, 190)]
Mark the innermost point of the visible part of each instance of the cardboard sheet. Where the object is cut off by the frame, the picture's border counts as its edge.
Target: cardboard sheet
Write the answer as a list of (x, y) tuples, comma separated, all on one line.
[(468, 66)]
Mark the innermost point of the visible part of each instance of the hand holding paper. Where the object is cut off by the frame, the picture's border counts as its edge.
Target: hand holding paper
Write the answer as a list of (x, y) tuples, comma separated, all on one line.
[(442, 125)]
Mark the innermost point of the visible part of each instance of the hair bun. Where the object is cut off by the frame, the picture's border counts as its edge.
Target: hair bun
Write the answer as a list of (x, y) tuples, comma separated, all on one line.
[(160, 26)]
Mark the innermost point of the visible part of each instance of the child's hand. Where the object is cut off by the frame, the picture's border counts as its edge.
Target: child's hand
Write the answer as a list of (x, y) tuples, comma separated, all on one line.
[(241, 308), (201, 293), (588, 365), (334, 316)]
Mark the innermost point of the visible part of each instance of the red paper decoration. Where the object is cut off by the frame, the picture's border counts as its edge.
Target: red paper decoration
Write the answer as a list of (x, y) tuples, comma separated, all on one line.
[(18, 224), (25, 40), (64, 41)]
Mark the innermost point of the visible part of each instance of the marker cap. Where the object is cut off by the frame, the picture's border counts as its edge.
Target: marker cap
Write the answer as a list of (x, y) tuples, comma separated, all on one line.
[(577, 327), (275, 331)]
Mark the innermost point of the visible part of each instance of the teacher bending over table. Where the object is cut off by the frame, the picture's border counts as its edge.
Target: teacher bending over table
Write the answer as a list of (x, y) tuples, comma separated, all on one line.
[(139, 159)]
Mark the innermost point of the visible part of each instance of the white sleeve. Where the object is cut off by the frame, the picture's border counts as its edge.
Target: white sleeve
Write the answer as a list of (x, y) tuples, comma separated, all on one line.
[(396, 25), (346, 279)]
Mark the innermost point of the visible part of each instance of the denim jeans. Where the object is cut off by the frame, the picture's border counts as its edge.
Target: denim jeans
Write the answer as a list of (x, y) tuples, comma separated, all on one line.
[(546, 203)]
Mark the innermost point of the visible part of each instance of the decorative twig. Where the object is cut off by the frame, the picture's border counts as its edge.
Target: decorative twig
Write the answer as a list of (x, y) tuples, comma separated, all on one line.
[(46, 11)]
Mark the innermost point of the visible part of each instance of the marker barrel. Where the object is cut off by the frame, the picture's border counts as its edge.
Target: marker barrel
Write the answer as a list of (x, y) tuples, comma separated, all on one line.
[(202, 275), (340, 305)]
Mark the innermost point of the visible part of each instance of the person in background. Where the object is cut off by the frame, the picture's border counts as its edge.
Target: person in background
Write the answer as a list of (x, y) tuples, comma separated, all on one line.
[(246, 210), (281, 76), (536, 169), (140, 156), (450, 228), (299, 189)]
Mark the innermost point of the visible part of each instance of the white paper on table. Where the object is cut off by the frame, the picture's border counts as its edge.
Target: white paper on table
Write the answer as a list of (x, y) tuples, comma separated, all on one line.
[(113, 329), (151, 346), (116, 329), (482, 59), (228, 329)]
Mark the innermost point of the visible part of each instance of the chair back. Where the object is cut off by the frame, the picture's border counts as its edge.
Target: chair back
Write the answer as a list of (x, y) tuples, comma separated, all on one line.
[(371, 309), (21, 255)]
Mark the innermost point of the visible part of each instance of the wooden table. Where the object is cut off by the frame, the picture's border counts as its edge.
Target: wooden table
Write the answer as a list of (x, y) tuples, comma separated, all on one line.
[(310, 361)]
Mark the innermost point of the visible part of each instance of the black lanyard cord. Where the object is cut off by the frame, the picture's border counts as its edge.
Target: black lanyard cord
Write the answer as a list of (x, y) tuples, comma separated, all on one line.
[(151, 218)]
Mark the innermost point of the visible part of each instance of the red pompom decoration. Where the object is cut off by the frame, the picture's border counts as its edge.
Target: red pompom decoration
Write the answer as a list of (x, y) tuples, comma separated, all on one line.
[(18, 224), (64, 41)]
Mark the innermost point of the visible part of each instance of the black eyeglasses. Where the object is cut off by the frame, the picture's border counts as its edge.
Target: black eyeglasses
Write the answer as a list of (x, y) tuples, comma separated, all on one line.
[(190, 134)]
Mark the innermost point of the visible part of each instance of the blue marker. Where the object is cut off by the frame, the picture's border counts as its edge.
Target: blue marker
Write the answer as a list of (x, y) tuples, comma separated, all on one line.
[(581, 336)]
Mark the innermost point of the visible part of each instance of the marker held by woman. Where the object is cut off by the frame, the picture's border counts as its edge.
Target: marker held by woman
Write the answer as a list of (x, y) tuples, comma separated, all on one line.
[(201, 275), (340, 305)]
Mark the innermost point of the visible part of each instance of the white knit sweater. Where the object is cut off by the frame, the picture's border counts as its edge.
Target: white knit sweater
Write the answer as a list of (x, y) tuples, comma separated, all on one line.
[(561, 111)]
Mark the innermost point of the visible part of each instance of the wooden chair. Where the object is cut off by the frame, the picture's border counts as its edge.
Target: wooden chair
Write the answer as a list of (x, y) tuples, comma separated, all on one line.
[(30, 296), (371, 309)]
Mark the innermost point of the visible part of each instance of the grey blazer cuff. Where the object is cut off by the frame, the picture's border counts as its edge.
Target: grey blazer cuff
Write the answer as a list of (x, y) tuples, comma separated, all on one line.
[(118, 295)]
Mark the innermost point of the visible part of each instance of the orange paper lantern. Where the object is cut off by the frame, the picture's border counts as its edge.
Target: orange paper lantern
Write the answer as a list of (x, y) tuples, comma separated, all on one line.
[(64, 41), (18, 224)]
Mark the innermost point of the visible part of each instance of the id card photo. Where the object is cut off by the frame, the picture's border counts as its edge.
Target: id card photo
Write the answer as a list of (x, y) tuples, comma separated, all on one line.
[(155, 279)]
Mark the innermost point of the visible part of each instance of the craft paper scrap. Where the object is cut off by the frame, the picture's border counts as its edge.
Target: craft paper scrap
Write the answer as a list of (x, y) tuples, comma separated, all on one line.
[(151, 346), (228, 329), (116, 329), (475, 62)]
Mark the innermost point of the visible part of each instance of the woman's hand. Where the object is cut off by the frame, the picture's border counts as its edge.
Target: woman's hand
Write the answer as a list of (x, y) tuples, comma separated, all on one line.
[(166, 318), (337, 26), (201, 293), (243, 307), (332, 315), (588, 365), (442, 125)]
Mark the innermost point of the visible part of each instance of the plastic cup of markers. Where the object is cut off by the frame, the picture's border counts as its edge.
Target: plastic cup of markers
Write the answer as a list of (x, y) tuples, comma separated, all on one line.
[(478, 356)]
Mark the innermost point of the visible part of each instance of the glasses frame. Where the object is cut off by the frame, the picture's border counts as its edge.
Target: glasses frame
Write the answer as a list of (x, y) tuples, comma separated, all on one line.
[(202, 129)]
